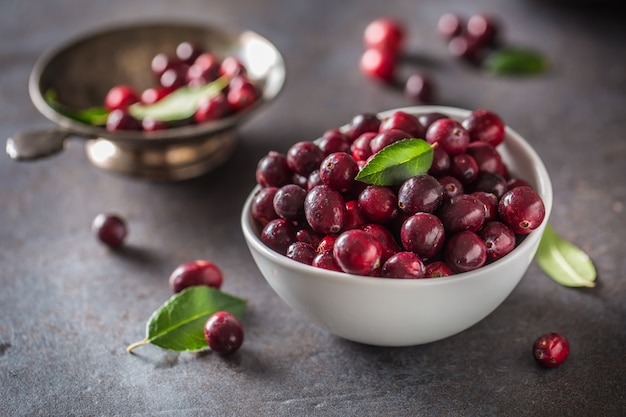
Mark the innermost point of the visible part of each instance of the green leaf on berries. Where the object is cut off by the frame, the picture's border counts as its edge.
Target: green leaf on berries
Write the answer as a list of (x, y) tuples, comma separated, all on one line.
[(95, 116), (515, 61), (179, 323), (180, 104), (564, 262), (397, 162)]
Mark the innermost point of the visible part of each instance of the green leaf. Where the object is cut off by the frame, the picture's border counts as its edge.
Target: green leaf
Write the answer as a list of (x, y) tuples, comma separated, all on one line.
[(564, 262), (181, 104), (515, 61), (179, 323), (397, 162), (96, 116)]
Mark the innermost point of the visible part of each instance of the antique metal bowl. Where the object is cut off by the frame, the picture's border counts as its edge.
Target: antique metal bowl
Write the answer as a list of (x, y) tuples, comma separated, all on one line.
[(82, 70)]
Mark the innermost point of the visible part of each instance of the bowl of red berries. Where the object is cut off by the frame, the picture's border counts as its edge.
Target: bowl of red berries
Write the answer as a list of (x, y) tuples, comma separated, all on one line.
[(402, 227), (160, 100)]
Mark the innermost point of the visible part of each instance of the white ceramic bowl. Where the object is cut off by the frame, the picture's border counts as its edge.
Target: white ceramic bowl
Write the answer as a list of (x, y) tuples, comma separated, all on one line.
[(397, 312)]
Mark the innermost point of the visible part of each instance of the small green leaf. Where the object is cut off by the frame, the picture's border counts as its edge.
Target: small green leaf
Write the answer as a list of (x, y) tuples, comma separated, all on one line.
[(96, 116), (564, 262), (181, 104), (397, 162), (179, 323), (515, 61)]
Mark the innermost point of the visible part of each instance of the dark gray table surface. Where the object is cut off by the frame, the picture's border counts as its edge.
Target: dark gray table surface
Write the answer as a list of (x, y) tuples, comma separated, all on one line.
[(69, 307)]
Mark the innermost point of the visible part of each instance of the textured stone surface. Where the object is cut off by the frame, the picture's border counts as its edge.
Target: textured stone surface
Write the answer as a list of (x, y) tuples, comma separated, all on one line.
[(69, 307)]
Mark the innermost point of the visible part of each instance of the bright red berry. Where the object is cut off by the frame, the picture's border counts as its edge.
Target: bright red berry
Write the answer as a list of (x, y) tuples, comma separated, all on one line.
[(551, 349)]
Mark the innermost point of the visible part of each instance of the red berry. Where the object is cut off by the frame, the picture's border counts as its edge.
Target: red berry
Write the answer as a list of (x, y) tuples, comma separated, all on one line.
[(223, 333), (384, 33), (485, 126), (521, 209), (110, 229), (450, 25), (420, 88), (198, 272), (551, 349), (357, 252), (120, 97), (379, 64)]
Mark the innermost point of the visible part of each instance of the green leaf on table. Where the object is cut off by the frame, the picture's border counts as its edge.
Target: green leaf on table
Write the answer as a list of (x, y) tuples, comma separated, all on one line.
[(397, 162), (179, 323), (95, 116), (564, 262), (180, 104), (515, 61)]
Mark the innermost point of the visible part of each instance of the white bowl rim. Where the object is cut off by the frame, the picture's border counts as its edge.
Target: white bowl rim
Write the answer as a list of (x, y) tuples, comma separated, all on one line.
[(544, 185)]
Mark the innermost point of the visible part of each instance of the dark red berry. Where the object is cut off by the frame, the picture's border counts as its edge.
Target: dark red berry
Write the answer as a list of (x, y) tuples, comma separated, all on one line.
[(490, 201), (338, 170), (153, 94), (223, 333), (273, 170), (499, 239), (161, 63), (451, 186), (357, 252), (333, 141), (405, 265), (449, 134), (110, 229), (437, 269), (465, 251), (551, 349), (421, 193), (361, 148), (301, 252), (241, 94), (464, 168), (522, 209), (198, 272), (325, 209), (427, 119), (304, 157), (383, 235), (462, 212), (211, 108), (441, 162), (326, 260), (187, 52), (119, 119), (486, 156), (386, 138), (262, 206), (423, 234), (483, 28), (289, 202), (485, 126), (278, 234), (490, 183), (362, 123), (405, 122), (420, 88), (450, 25), (378, 204)]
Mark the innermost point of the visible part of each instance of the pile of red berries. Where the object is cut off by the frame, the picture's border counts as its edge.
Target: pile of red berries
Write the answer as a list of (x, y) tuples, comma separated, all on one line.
[(465, 212), (191, 66)]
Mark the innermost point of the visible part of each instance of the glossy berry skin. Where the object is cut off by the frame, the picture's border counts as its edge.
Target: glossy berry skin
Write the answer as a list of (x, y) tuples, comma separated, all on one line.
[(386, 138), (325, 209), (521, 209), (338, 170), (262, 207), (357, 252), (362, 123), (278, 234), (333, 141), (464, 168), (110, 229), (384, 33), (421, 193), (384, 236), (301, 252), (406, 265), (465, 251), (289, 202), (423, 234), (485, 126), (120, 97), (490, 183), (273, 170), (551, 349), (304, 157), (441, 162), (326, 260), (361, 148), (379, 64), (241, 95), (462, 212), (378, 204), (499, 239), (486, 156), (490, 201), (437, 269), (405, 122), (449, 134), (451, 187), (223, 333), (198, 272), (212, 108)]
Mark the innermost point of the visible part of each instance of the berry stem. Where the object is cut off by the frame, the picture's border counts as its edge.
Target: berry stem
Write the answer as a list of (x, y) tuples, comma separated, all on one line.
[(136, 345)]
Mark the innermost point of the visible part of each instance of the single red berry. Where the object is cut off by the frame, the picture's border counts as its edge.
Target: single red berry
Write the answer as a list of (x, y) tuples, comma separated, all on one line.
[(198, 272), (120, 97), (357, 252), (551, 349), (450, 25), (420, 88), (379, 64), (110, 229), (223, 333), (384, 33)]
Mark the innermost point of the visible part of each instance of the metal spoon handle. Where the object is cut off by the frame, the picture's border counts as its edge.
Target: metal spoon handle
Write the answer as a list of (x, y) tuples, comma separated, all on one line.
[(35, 144)]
